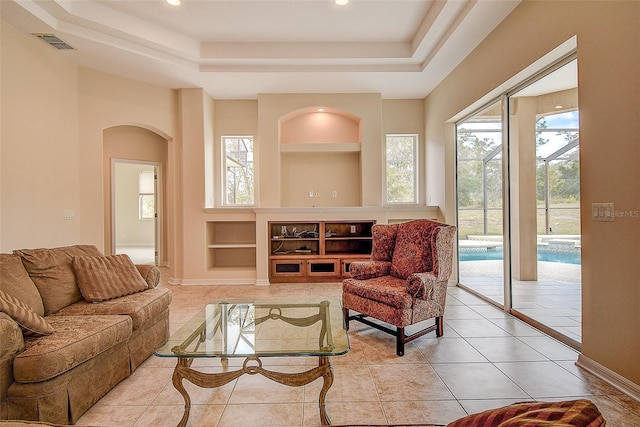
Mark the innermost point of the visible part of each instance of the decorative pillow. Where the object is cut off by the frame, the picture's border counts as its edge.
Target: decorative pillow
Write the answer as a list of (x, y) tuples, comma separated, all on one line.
[(576, 413), (412, 253), (102, 278), (384, 241), (15, 281), (30, 322), (51, 271)]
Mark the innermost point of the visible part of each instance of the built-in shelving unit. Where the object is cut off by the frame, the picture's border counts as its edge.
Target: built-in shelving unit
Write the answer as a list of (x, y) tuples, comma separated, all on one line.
[(231, 244), (310, 251)]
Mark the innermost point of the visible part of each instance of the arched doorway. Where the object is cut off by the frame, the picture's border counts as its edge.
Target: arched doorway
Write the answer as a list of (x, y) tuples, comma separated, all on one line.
[(131, 153)]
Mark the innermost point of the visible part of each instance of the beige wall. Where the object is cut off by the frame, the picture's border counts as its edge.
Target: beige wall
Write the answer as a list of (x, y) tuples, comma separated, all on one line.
[(608, 46), (197, 117), (40, 145)]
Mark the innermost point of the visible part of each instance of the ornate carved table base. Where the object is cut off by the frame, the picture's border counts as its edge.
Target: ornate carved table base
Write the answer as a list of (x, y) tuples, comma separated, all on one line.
[(183, 371)]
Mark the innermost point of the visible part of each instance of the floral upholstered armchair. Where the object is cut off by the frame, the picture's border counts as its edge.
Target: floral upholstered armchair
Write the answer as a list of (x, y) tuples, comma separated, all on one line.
[(405, 282)]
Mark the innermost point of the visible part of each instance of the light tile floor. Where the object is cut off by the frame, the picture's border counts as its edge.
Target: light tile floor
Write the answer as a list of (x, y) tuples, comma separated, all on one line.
[(486, 359), (554, 299)]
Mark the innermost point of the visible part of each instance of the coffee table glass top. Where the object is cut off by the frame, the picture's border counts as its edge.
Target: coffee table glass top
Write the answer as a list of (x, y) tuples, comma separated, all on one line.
[(262, 328)]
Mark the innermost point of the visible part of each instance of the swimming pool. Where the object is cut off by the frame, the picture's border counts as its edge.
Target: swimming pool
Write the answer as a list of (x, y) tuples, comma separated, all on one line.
[(567, 254)]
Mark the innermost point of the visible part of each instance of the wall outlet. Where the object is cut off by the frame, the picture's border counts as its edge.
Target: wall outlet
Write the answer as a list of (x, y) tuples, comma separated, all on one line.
[(311, 193), (334, 194), (353, 229)]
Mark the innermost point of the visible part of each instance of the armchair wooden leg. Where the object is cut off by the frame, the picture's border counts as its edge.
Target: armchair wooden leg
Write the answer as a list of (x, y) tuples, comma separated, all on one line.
[(439, 326), (345, 314), (400, 341)]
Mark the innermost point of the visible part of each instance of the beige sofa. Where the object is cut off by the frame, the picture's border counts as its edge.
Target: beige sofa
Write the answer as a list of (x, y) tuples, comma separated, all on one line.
[(73, 323)]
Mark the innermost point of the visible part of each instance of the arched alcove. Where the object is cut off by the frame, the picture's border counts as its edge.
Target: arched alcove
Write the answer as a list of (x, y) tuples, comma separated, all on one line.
[(319, 125), (313, 141)]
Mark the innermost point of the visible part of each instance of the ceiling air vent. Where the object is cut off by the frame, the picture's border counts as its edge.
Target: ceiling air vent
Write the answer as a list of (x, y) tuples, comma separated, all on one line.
[(54, 41)]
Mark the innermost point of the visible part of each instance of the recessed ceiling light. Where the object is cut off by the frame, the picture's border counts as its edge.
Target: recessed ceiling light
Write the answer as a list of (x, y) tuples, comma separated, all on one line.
[(341, 2), (557, 107), (320, 110), (174, 2)]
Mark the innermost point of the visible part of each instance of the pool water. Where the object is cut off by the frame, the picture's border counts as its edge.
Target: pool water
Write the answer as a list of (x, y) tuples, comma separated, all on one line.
[(551, 253)]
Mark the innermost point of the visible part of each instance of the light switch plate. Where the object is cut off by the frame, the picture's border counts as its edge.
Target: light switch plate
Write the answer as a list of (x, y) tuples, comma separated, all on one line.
[(602, 212), (69, 214)]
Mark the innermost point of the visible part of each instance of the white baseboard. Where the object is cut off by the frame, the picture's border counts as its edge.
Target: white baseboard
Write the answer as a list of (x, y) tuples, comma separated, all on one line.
[(616, 380)]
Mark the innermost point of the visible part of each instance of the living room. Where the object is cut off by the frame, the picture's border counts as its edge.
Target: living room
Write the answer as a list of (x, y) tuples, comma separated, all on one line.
[(57, 117)]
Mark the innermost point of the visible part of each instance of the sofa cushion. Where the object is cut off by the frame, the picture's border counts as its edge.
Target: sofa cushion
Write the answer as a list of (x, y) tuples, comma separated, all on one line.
[(15, 281), (30, 322), (412, 253), (52, 273), (76, 340), (142, 307), (101, 278)]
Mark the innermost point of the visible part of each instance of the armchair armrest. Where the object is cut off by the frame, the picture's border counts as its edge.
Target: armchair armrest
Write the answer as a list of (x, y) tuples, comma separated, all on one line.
[(150, 274), (427, 286), (421, 285), (363, 270)]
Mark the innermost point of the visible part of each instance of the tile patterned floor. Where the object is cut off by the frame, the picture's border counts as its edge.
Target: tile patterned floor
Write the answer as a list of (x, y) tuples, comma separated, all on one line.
[(486, 359), (553, 300)]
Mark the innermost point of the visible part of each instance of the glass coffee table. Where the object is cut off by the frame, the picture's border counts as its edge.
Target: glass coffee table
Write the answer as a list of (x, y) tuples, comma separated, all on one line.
[(253, 330)]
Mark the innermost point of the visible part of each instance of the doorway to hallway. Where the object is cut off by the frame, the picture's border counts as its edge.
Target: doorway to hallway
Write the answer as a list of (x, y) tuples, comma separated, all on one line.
[(134, 210)]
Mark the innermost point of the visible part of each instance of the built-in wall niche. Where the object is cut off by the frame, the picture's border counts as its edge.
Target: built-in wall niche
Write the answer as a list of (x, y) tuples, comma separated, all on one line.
[(320, 158)]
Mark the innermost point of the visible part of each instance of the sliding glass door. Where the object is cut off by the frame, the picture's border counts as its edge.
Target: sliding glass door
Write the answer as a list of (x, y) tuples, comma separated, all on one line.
[(534, 273), (480, 202), (544, 165)]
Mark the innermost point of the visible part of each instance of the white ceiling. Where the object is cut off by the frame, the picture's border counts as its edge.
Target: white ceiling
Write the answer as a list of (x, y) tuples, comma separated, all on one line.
[(236, 49)]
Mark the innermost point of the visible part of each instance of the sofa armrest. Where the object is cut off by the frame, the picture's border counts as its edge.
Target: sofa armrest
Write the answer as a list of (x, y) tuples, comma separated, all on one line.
[(363, 270), (150, 274), (12, 344), (10, 336)]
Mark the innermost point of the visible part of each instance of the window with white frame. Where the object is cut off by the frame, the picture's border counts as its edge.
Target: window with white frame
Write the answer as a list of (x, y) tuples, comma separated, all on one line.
[(401, 158), (146, 195), (237, 169)]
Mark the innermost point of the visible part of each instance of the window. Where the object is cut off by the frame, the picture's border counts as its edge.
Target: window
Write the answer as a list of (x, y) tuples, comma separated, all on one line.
[(238, 170), (146, 195), (402, 168), (479, 174), (558, 173)]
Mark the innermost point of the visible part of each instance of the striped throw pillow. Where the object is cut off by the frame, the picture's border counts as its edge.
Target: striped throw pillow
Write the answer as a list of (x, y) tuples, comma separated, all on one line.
[(30, 322), (101, 278)]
